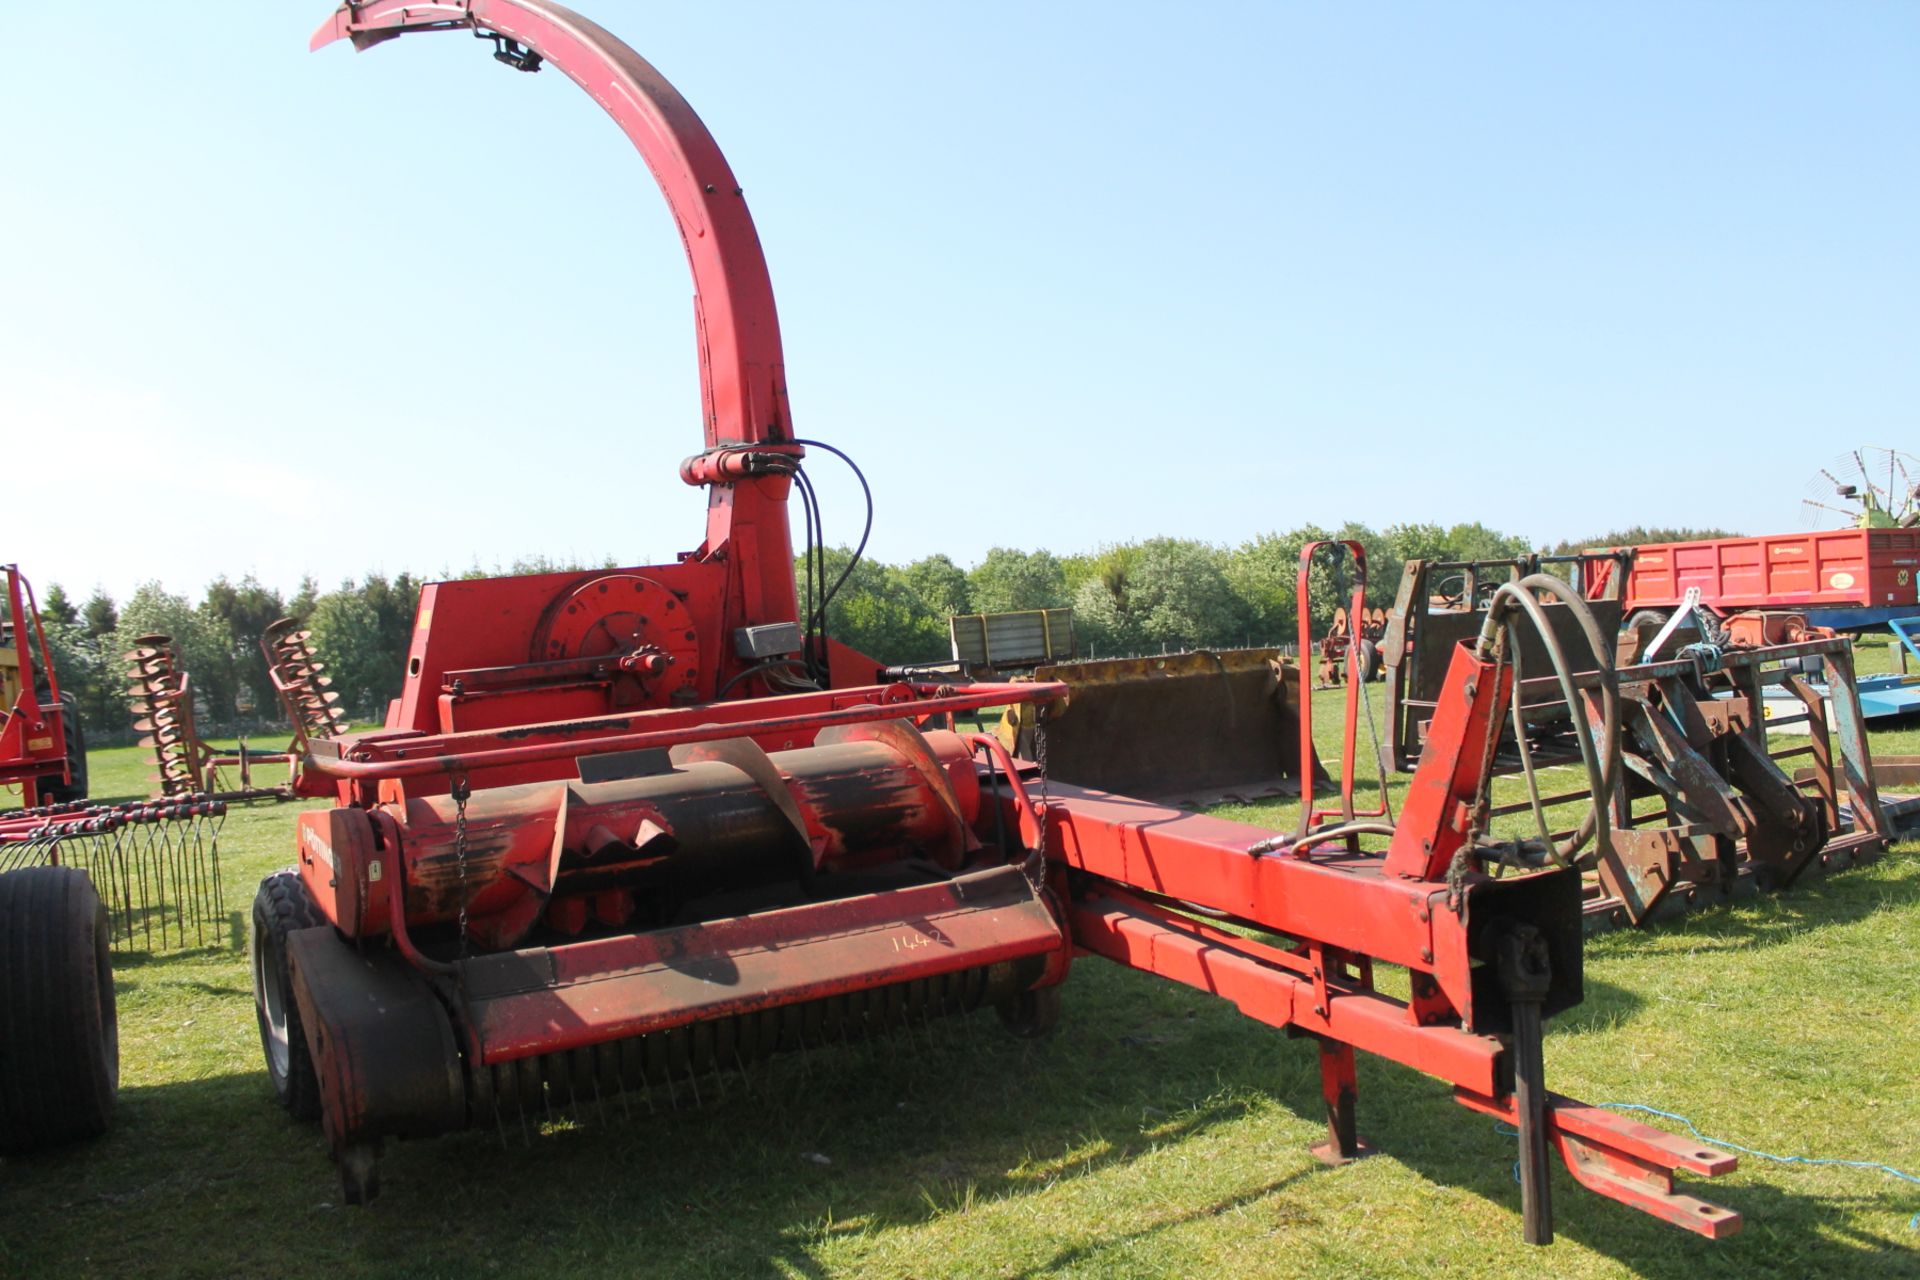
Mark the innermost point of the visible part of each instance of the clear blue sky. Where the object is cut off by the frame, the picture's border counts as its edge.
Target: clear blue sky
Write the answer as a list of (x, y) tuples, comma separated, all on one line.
[(1055, 274)]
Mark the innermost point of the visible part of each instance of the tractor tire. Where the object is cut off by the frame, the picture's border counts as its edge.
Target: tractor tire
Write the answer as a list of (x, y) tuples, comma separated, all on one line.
[(59, 1031), (54, 791), (1032, 1014), (281, 906)]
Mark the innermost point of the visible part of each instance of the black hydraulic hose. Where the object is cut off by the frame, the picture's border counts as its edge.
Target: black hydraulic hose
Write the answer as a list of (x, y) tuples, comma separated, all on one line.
[(866, 529), (816, 567), (1603, 766), (754, 670), (1322, 835)]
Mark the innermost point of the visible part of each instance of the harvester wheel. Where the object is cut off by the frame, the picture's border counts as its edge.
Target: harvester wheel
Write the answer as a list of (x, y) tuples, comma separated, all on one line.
[(1031, 1014), (52, 790), (282, 906), (59, 1032)]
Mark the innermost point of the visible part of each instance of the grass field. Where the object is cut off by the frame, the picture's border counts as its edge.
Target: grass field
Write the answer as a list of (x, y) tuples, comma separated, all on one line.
[(1157, 1134)]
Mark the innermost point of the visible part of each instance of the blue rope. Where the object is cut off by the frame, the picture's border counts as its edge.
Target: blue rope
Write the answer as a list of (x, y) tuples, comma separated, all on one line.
[(1506, 1130), (1913, 1223)]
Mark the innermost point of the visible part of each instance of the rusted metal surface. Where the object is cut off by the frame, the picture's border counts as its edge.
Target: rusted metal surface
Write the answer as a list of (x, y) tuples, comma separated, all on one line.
[(301, 682), (1735, 813), (1347, 641), (1440, 603), (1732, 817), (1197, 727), (160, 695)]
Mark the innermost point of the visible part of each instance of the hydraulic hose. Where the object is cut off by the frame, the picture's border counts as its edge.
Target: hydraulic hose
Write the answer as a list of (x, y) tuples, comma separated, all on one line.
[(1321, 835), (1602, 764)]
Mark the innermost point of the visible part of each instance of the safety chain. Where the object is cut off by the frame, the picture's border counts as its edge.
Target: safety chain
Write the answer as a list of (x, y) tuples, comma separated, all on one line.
[(1356, 670), (461, 790)]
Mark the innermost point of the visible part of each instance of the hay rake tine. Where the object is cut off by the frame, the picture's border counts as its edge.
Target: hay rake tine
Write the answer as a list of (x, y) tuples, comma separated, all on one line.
[(136, 855)]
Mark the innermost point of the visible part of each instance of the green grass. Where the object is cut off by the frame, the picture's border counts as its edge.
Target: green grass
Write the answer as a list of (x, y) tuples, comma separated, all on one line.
[(1158, 1134)]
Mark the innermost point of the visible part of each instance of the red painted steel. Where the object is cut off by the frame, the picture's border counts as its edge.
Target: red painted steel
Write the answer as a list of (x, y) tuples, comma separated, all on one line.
[(33, 736), (1835, 568), (1459, 755), (518, 790), (1261, 984), (1313, 815), (545, 751), (742, 572), (1627, 1161), (612, 988), (506, 854)]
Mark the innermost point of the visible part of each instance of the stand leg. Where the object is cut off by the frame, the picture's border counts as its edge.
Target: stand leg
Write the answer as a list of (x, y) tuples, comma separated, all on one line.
[(1339, 1087)]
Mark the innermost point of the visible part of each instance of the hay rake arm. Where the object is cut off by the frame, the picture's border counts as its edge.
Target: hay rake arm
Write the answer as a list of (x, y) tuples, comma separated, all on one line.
[(156, 866)]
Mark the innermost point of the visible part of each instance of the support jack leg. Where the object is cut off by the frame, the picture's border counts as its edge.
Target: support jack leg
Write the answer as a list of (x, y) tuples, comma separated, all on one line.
[(1339, 1087)]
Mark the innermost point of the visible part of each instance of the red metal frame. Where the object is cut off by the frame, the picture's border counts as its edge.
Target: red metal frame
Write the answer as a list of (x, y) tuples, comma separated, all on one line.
[(1312, 815), (33, 736), (742, 572), (491, 703), (1139, 869)]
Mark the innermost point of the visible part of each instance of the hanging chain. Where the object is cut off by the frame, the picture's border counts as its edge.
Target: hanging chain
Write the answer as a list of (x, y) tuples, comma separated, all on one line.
[(1379, 757), (461, 790), (1046, 800)]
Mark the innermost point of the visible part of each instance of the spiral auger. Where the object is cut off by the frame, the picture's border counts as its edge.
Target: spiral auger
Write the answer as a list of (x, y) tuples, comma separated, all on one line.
[(300, 678)]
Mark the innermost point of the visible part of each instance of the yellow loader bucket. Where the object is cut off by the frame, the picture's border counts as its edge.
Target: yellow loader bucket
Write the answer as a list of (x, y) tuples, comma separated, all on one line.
[(1190, 729)]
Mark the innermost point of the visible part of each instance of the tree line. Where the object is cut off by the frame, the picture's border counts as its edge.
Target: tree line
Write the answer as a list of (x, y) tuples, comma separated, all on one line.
[(1159, 594)]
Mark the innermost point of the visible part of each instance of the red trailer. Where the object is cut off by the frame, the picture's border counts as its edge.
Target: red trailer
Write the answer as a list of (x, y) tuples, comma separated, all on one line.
[(1841, 578)]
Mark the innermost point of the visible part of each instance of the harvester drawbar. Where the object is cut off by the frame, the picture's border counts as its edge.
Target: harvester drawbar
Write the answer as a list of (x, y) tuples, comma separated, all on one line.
[(629, 828)]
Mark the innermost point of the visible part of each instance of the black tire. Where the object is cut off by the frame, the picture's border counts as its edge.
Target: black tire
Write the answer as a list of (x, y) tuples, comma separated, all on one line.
[(1643, 625), (1370, 661), (54, 791), (59, 1029), (1031, 1014), (281, 906)]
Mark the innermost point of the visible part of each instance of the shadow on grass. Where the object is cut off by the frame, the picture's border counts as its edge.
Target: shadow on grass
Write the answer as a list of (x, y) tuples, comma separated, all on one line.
[(1801, 1231), (782, 1172), (920, 1128), (1771, 919), (220, 941), (1083, 1252)]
